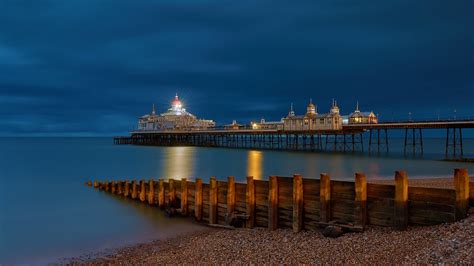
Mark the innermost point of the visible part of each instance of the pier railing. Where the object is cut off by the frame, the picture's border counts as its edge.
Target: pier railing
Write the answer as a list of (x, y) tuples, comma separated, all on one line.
[(301, 203)]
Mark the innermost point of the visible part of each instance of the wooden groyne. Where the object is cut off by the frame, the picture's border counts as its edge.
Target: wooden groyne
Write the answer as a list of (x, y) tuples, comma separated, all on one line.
[(301, 203)]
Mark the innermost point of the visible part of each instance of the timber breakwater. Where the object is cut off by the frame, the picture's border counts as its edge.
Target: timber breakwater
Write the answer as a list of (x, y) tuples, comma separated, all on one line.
[(302, 203)]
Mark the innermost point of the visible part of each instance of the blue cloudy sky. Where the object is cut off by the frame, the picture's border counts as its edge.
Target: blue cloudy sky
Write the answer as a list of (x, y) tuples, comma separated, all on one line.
[(91, 67)]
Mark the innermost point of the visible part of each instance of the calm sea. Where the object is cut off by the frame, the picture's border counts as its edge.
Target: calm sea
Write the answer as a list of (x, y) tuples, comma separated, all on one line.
[(47, 213)]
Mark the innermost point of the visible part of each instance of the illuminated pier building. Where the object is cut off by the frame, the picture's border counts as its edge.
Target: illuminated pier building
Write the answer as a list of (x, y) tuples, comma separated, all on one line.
[(358, 117), (312, 120), (176, 118)]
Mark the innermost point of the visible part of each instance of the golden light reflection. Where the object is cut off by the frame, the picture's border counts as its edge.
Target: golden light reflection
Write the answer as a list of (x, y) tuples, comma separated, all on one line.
[(255, 164), (179, 162)]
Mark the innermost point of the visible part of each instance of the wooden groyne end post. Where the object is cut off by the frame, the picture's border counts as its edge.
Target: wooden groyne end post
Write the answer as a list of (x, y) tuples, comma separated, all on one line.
[(400, 219), (360, 208), (325, 198), (198, 200), (184, 196), (461, 185), (250, 202), (273, 203), (297, 203)]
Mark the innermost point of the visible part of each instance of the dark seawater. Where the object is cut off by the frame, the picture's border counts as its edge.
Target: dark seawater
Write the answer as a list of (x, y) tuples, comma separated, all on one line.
[(47, 213)]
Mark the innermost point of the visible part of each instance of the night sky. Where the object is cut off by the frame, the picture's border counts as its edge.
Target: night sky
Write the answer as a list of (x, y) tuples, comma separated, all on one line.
[(90, 68)]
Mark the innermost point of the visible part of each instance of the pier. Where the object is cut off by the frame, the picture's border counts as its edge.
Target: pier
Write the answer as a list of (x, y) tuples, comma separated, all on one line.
[(349, 139), (303, 203)]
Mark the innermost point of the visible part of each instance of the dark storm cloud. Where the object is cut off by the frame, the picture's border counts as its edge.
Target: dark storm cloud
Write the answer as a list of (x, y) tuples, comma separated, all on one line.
[(91, 67)]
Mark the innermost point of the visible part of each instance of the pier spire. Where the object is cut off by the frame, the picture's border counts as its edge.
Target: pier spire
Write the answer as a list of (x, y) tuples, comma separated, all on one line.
[(153, 111), (291, 113)]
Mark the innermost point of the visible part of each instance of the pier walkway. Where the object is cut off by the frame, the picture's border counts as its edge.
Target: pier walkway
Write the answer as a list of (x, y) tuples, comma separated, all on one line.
[(349, 139)]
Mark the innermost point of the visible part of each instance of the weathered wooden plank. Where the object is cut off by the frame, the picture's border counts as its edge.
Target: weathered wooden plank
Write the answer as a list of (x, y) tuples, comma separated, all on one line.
[(438, 195), (432, 206), (380, 191)]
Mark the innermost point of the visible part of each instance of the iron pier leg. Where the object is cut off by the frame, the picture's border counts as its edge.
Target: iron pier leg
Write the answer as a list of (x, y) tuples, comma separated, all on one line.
[(378, 140), (405, 146), (370, 140), (460, 142), (421, 141)]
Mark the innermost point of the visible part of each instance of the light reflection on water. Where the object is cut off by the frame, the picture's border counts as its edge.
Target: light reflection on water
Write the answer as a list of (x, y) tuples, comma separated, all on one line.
[(255, 164), (46, 212)]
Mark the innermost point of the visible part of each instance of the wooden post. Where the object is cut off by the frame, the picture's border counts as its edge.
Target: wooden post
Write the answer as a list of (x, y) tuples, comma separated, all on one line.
[(134, 189), (172, 193), (461, 185), (96, 184), (360, 208), (161, 193), (126, 192), (142, 190), (213, 201), (325, 197), (198, 200), (273, 203), (151, 192), (184, 197), (250, 202), (119, 187), (297, 203), (230, 195), (400, 218)]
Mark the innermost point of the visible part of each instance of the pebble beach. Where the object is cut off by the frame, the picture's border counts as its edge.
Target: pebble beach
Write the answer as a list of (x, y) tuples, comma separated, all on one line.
[(441, 244)]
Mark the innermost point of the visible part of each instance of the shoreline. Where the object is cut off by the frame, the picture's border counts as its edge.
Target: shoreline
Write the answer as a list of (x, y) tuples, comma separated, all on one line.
[(444, 243)]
